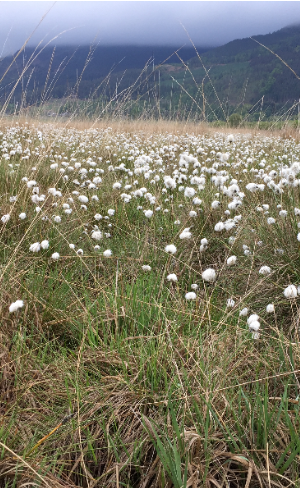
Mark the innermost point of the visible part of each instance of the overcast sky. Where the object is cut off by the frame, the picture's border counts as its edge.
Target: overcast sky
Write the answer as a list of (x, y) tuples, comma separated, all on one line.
[(210, 23)]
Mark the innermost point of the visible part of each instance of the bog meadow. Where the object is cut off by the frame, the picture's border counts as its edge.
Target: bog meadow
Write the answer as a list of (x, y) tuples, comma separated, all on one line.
[(149, 300)]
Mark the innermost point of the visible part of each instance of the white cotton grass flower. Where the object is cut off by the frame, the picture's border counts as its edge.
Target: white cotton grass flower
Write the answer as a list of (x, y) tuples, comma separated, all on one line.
[(190, 296), (22, 216), (72, 246), (83, 199), (209, 275), (171, 249), (55, 256), (97, 235), (35, 247), (185, 234), (270, 308), (252, 318), (57, 219), (231, 260), (244, 312), (148, 213), (189, 192), (79, 252), (16, 305), (230, 303), (271, 221), (204, 245), (98, 216), (5, 218), (254, 326), (117, 185), (290, 291), (172, 277), (111, 212), (298, 237), (264, 270), (219, 227), (107, 253), (146, 267), (45, 244), (215, 204), (197, 201), (193, 213), (194, 286)]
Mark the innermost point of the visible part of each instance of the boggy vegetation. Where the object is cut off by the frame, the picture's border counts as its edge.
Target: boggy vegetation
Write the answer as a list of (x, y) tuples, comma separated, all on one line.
[(149, 307)]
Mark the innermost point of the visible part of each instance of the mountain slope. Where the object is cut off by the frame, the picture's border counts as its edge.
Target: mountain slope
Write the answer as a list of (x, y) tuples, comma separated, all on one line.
[(230, 78)]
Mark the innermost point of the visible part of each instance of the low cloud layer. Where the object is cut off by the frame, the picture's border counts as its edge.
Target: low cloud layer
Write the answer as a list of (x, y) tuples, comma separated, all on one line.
[(142, 23)]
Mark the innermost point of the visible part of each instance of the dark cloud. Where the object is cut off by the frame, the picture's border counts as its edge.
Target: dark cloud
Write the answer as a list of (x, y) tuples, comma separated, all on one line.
[(153, 23)]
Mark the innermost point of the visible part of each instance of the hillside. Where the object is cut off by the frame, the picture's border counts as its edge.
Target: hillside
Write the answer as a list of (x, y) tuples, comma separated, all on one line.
[(65, 65), (220, 81), (267, 76)]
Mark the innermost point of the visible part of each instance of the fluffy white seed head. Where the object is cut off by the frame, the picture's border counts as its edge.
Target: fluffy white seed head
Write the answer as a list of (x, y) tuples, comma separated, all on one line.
[(290, 291), (35, 247), (83, 199), (148, 213), (254, 326), (190, 295), (107, 253), (189, 192), (16, 305), (171, 249), (45, 244), (209, 275), (252, 318), (244, 312), (5, 218), (146, 267), (97, 235), (231, 260), (172, 277), (265, 270), (219, 227), (55, 256), (185, 234), (270, 308)]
